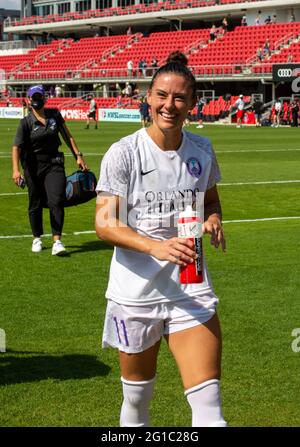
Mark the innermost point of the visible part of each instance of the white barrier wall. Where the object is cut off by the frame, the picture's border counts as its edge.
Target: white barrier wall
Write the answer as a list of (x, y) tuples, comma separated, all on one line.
[(11, 112), (115, 115), (119, 115)]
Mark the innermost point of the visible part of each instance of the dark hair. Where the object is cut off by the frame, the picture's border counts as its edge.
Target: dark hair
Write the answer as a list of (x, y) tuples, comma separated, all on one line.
[(177, 63)]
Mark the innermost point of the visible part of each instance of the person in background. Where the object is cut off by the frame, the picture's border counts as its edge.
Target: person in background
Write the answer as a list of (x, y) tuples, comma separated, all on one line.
[(154, 65), (224, 25), (141, 177), (213, 33), (58, 91), (36, 146), (128, 90), (25, 107), (240, 105), (257, 107), (244, 20), (200, 104), (258, 19), (259, 54), (92, 112), (277, 112), (292, 16), (268, 20), (144, 111), (295, 113), (130, 68), (267, 50), (51, 91)]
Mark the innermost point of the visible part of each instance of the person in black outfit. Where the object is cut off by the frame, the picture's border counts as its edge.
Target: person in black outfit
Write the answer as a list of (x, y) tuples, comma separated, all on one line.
[(144, 111), (257, 107), (295, 113), (36, 146)]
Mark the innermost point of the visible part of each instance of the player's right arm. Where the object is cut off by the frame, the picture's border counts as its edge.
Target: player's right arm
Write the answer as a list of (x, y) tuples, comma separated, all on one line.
[(111, 226)]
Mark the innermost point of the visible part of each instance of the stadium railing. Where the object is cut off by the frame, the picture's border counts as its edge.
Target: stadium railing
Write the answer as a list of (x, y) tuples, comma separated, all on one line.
[(200, 71)]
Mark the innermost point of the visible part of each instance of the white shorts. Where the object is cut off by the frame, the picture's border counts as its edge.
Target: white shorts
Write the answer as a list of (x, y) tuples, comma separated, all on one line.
[(134, 329)]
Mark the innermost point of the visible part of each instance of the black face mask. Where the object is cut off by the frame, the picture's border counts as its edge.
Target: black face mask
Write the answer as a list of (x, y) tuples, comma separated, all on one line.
[(37, 103)]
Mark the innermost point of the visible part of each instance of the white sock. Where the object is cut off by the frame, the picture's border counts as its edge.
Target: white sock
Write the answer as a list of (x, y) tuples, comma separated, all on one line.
[(135, 407), (205, 402)]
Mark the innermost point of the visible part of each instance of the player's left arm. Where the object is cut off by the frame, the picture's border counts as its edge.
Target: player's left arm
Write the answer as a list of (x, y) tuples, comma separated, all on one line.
[(213, 218)]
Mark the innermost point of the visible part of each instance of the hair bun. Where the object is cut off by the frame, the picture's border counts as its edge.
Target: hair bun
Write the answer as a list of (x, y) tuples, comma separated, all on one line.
[(178, 57)]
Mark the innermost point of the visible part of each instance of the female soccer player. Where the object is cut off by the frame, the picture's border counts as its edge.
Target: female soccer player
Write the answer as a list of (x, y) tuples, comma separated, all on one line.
[(146, 179)]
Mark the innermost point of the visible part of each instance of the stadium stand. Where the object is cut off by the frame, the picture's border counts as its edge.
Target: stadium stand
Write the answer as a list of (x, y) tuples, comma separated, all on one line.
[(157, 45), (62, 103), (100, 64), (108, 12), (239, 47), (27, 61), (108, 56), (140, 8)]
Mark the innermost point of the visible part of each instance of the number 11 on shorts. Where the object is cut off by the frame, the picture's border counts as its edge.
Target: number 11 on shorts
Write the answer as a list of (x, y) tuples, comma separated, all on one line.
[(124, 331)]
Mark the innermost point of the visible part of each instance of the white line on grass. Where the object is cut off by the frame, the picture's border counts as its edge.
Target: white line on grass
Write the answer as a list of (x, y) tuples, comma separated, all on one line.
[(78, 233), (12, 193), (256, 150), (97, 154), (271, 182), (266, 219)]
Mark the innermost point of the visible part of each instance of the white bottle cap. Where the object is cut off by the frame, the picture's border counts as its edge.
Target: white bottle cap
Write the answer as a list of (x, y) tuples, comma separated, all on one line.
[(188, 212)]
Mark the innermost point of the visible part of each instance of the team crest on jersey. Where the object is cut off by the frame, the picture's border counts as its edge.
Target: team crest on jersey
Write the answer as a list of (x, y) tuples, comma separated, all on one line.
[(194, 167), (52, 123)]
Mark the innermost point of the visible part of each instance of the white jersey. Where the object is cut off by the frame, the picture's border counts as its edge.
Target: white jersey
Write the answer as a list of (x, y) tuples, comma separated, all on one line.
[(240, 104), (155, 184), (278, 106), (92, 106)]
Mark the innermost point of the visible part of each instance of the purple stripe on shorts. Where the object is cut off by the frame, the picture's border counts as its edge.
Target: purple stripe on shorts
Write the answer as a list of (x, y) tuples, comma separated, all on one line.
[(125, 332), (116, 321)]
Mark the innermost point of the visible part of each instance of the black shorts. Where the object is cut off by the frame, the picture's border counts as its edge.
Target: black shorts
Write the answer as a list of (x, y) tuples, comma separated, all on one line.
[(200, 115), (92, 115)]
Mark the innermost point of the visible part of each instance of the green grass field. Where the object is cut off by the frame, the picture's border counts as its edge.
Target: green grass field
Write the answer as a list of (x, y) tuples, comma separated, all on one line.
[(55, 372)]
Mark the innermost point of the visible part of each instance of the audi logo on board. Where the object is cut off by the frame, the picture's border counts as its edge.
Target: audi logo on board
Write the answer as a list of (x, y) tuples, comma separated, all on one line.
[(284, 72)]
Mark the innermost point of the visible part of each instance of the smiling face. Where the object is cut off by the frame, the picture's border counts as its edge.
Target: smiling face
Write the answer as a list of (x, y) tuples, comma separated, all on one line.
[(170, 98)]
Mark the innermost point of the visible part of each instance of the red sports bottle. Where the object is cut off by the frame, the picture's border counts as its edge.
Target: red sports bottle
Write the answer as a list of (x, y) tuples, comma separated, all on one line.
[(190, 227)]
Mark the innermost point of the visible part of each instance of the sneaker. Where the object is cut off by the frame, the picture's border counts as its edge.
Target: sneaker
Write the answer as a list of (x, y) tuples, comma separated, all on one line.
[(37, 245), (199, 126), (58, 248)]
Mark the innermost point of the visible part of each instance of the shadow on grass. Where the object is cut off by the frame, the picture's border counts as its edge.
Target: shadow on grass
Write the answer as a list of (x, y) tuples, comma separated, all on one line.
[(88, 246), (16, 368)]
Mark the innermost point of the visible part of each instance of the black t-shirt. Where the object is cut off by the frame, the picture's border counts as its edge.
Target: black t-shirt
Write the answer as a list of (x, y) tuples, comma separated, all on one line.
[(257, 107), (200, 106), (35, 138), (144, 108)]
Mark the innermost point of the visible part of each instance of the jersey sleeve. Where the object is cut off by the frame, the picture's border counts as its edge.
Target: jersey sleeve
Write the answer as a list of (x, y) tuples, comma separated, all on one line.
[(215, 174), (115, 171), (20, 135)]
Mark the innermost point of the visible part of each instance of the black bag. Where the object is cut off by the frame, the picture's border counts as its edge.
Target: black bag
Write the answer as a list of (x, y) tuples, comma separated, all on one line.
[(80, 188)]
